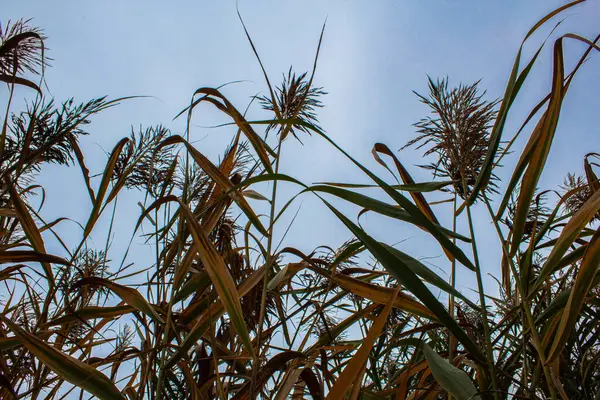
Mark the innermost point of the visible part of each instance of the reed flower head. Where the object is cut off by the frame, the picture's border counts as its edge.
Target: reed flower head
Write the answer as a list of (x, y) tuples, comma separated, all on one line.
[(21, 48), (581, 192), (457, 131), (296, 100)]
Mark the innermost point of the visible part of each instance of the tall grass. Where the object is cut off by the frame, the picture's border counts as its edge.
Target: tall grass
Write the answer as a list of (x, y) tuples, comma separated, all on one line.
[(225, 312)]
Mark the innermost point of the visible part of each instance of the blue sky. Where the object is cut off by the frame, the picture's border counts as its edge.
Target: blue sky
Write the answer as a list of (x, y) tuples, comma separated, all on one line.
[(374, 54)]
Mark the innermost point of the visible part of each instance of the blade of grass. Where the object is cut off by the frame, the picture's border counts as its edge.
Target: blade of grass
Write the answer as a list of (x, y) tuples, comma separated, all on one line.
[(350, 373)]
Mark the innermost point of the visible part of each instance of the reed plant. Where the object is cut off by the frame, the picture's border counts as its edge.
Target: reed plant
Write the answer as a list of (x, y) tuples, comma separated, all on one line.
[(225, 311)]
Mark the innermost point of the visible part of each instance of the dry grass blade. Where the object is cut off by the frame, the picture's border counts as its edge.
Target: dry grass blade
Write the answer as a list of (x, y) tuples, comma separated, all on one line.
[(592, 178), (567, 237), (351, 371), (92, 312), (579, 294), (513, 87), (277, 362), (211, 95), (220, 276), (127, 294), (213, 312), (224, 182), (104, 184), (417, 197), (381, 295), (21, 256), (19, 81), (69, 368), (31, 231), (542, 149)]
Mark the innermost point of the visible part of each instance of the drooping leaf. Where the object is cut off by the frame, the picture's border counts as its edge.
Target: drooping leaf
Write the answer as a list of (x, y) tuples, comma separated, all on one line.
[(31, 231), (381, 295), (21, 256), (127, 294), (454, 380), (91, 312), (411, 281)]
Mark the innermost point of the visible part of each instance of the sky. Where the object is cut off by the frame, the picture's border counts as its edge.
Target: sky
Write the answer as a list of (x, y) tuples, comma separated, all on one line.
[(374, 54)]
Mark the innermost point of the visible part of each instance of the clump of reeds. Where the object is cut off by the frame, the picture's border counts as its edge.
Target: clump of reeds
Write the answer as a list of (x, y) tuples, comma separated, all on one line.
[(221, 308)]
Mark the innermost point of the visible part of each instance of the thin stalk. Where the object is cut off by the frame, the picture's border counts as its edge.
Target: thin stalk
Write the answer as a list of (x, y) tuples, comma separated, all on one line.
[(269, 261), (486, 325), (525, 304), (161, 372), (5, 124), (161, 369), (451, 338), (218, 381)]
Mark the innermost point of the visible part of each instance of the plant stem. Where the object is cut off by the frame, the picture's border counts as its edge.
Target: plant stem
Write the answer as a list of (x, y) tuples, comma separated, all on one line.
[(269, 261), (451, 338), (486, 327), (5, 124)]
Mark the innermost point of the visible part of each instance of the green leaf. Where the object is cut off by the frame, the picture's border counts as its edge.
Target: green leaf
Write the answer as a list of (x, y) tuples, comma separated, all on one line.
[(515, 82), (383, 208), (411, 281), (420, 187), (428, 275), (454, 380)]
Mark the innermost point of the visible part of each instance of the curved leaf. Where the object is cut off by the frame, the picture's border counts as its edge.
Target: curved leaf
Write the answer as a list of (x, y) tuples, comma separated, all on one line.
[(127, 294), (411, 281), (454, 380)]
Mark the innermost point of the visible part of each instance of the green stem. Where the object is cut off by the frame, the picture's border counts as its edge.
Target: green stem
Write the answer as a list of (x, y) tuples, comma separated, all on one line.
[(451, 338), (486, 326), (451, 341)]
